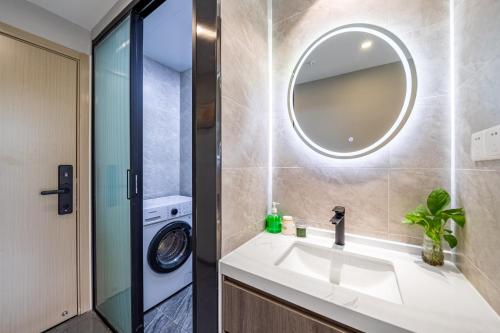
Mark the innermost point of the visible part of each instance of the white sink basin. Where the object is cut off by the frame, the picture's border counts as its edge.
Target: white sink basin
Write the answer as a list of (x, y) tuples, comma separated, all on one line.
[(371, 276)]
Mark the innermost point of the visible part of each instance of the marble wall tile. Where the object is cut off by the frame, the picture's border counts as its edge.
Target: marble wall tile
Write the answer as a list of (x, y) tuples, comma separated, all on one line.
[(244, 135), (429, 131), (244, 205), (244, 118), (477, 109), (407, 189), (478, 64), (405, 16), (307, 183), (487, 288), (311, 194), (186, 134), (161, 130), (244, 53), (283, 9), (401, 15), (479, 193), (430, 49), (293, 35), (473, 115), (477, 26), (478, 183), (342, 11)]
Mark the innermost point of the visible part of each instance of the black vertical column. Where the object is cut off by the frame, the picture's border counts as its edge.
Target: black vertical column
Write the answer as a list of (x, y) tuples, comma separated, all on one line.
[(206, 164), (136, 157)]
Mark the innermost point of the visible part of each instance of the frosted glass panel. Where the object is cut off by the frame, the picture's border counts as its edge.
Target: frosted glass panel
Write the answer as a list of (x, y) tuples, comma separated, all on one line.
[(112, 160)]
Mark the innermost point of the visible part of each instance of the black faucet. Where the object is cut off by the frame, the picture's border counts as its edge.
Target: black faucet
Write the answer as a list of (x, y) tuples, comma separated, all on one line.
[(339, 220)]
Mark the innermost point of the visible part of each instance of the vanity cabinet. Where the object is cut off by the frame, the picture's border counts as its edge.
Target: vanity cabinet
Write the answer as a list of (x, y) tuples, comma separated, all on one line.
[(247, 310)]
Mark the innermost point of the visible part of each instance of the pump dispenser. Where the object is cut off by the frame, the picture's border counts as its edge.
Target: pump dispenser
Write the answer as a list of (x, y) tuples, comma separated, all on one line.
[(273, 220)]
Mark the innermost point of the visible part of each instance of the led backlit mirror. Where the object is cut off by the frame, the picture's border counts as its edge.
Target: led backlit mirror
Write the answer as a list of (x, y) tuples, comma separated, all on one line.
[(352, 91)]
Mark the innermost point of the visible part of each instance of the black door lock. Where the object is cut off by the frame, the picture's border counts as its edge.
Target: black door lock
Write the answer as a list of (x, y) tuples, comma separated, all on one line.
[(64, 191)]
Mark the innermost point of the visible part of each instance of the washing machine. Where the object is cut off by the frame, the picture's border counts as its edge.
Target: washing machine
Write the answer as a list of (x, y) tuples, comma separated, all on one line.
[(167, 247)]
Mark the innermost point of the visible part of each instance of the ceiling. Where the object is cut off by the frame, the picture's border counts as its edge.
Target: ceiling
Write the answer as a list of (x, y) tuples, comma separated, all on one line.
[(85, 13), (168, 35), (343, 54)]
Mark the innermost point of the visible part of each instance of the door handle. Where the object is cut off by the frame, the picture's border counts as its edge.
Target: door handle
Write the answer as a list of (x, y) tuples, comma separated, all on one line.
[(132, 184), (64, 191), (59, 191)]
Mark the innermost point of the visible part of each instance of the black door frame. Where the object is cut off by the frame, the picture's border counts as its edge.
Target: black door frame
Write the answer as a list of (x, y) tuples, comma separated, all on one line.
[(206, 163), (206, 160), (135, 174)]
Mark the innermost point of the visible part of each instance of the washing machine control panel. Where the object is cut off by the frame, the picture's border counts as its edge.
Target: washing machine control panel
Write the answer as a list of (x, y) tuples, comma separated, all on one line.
[(180, 209), (167, 208)]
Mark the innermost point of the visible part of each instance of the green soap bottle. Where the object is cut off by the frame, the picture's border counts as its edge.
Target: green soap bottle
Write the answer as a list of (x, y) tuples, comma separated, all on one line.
[(273, 220)]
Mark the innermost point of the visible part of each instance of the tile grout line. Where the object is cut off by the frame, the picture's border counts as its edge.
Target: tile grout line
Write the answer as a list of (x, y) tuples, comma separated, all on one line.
[(483, 274)]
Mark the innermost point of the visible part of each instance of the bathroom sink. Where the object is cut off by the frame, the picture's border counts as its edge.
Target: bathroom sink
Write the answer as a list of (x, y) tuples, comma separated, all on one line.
[(363, 274)]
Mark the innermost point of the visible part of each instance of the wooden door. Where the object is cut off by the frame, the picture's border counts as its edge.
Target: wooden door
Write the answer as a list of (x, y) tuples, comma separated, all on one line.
[(38, 132)]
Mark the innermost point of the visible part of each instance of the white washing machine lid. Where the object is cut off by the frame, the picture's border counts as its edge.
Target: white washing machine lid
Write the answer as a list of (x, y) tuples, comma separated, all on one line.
[(166, 208), (166, 201)]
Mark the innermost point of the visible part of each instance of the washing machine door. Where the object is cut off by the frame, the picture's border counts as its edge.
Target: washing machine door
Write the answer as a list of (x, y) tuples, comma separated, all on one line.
[(170, 247)]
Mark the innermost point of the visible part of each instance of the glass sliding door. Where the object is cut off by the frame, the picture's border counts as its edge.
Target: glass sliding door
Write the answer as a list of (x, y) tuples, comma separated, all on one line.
[(116, 184)]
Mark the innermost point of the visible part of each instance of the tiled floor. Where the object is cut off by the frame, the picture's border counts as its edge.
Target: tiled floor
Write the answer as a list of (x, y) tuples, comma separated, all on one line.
[(175, 315), (88, 322)]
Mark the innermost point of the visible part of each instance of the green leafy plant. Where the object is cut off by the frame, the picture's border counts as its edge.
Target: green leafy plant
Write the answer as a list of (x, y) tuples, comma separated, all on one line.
[(434, 218)]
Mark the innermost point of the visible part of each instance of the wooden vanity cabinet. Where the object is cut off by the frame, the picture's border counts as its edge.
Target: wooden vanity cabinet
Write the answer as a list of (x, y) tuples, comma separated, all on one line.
[(247, 310)]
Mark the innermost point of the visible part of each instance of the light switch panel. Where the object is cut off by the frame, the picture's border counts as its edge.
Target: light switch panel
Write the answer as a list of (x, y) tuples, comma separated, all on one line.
[(476, 146), (485, 145), (492, 142)]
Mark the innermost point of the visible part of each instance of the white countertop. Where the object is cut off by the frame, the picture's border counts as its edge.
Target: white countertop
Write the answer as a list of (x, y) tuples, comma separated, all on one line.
[(435, 299)]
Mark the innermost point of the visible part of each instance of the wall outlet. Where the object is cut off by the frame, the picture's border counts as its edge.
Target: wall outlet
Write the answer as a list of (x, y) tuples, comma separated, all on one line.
[(477, 146), (492, 142), (485, 145)]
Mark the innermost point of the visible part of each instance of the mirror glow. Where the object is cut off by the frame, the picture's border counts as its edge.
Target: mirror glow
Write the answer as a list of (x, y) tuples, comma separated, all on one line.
[(345, 102)]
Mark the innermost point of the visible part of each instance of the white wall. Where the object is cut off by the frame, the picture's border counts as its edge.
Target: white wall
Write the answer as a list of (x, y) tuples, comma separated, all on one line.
[(36, 20)]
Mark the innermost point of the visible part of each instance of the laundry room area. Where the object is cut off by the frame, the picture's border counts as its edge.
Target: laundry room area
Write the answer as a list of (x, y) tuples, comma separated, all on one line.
[(167, 168)]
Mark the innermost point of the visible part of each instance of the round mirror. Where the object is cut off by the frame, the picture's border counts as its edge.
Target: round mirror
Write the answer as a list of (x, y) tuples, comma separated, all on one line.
[(352, 91)]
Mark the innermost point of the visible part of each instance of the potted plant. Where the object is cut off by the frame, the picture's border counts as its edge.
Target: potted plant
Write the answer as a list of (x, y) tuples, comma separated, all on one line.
[(433, 218)]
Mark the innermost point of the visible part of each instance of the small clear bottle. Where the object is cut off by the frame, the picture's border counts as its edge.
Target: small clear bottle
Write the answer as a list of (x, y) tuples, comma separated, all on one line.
[(301, 228), (287, 226)]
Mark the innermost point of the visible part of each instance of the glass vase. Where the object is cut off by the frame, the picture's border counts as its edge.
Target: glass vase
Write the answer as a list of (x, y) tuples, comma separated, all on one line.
[(432, 252)]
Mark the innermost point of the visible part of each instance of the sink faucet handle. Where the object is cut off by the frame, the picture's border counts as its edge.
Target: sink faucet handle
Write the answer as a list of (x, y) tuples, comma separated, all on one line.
[(339, 210), (339, 221)]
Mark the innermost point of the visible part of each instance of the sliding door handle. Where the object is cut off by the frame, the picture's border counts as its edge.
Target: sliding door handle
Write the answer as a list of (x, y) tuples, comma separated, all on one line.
[(132, 184), (129, 173)]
